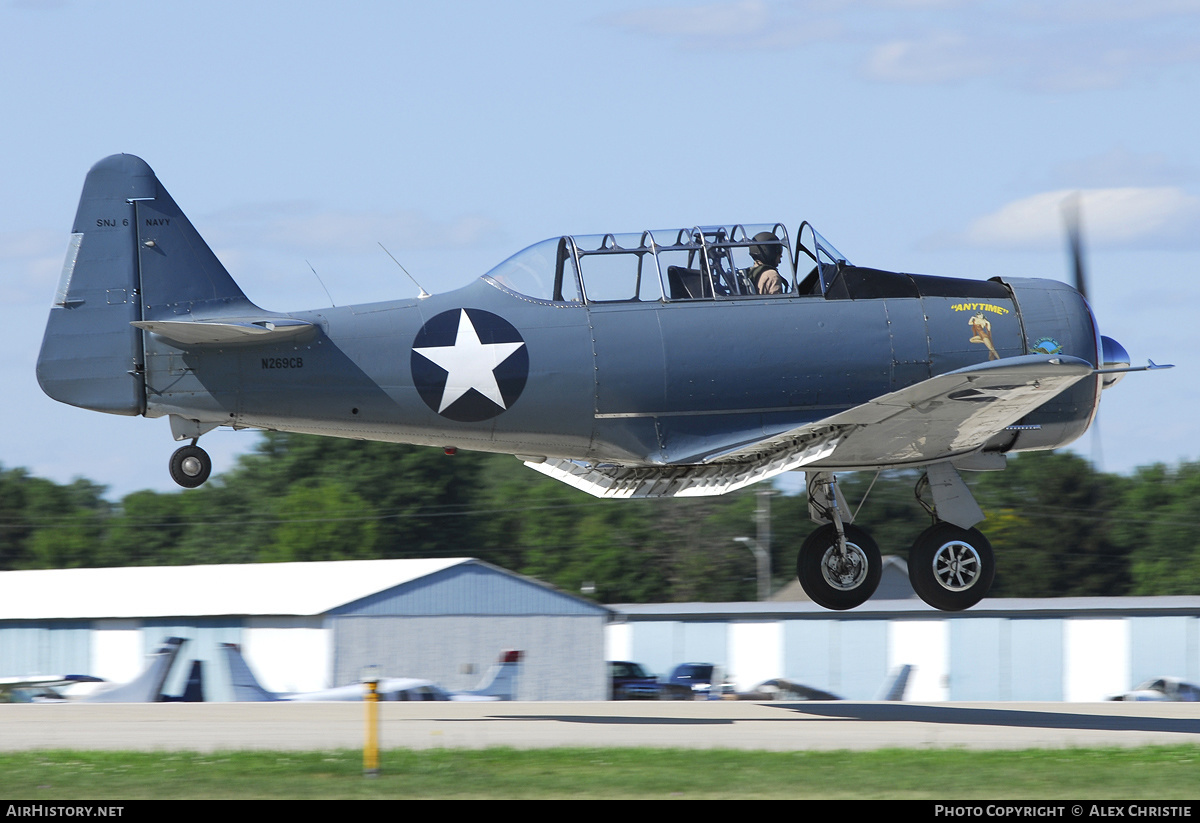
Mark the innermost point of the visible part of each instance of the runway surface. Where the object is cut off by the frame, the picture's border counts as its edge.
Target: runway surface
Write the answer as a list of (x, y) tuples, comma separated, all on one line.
[(780, 726)]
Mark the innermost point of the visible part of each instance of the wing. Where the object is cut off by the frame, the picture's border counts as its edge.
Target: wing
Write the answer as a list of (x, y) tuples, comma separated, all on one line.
[(40, 687), (791, 690), (945, 416), (47, 681)]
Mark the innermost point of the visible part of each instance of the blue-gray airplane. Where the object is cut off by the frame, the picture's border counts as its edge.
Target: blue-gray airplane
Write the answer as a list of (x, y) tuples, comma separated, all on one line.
[(685, 362)]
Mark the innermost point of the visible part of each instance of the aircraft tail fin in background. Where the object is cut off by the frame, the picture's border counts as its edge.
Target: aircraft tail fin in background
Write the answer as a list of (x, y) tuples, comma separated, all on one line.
[(501, 679), (133, 256), (193, 689), (897, 683), (246, 688), (146, 687)]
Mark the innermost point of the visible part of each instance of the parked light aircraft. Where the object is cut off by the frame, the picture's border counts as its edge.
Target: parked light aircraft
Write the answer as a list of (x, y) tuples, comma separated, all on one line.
[(627, 365), (498, 683), (44, 688), (145, 688), (1161, 690), (780, 688)]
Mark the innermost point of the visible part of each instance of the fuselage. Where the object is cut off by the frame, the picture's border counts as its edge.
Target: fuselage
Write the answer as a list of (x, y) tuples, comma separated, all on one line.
[(641, 350), (631, 382)]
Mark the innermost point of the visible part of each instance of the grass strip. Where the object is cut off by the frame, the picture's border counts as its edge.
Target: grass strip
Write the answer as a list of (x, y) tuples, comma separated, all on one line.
[(1152, 773)]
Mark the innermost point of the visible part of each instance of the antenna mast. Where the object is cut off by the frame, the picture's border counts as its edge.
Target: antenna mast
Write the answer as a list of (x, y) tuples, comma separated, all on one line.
[(423, 293)]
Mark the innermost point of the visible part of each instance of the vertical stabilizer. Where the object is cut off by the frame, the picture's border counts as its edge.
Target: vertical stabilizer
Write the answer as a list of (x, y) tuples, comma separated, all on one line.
[(897, 684), (246, 688), (180, 275), (133, 256), (501, 679), (147, 687)]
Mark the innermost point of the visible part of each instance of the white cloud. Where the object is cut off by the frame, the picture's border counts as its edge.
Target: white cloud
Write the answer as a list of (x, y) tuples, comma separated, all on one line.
[(1042, 58), (940, 57), (18, 244), (1116, 217), (711, 20), (1122, 167), (1069, 47), (1086, 11), (740, 25), (37, 257), (356, 231)]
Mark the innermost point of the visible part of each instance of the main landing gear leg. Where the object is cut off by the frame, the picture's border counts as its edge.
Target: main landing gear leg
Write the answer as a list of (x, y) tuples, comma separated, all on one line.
[(950, 565), (839, 565), (190, 466)]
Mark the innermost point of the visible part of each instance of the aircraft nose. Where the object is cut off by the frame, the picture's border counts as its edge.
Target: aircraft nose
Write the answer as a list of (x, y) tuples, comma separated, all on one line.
[(1114, 357)]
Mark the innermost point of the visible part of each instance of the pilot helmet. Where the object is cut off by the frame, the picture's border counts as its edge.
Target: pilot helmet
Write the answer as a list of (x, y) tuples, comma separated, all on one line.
[(766, 248)]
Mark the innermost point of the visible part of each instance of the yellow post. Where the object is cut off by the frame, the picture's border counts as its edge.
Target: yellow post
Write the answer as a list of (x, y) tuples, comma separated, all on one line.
[(371, 699)]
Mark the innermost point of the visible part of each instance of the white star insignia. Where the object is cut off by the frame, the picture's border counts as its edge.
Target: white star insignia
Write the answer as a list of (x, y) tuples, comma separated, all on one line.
[(469, 363)]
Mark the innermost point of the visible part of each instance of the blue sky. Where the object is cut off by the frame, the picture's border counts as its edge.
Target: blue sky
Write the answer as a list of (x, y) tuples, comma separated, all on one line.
[(931, 136)]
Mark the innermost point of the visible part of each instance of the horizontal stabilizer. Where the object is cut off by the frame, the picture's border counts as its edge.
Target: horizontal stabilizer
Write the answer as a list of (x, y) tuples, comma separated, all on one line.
[(226, 330)]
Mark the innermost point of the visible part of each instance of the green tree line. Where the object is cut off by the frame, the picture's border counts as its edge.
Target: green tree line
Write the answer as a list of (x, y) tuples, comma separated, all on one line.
[(1058, 527)]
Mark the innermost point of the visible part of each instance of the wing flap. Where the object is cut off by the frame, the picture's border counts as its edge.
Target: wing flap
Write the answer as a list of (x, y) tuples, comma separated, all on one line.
[(683, 481)]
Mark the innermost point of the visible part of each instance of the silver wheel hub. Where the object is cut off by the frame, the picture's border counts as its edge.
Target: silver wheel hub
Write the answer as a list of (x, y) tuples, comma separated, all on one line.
[(956, 566), (844, 572), (191, 466)]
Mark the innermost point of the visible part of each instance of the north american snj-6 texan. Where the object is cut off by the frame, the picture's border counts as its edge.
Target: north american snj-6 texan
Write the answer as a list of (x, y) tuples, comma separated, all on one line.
[(685, 362)]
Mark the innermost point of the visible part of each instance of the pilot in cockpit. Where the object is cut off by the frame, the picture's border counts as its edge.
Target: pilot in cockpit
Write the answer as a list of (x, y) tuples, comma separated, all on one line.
[(764, 274)]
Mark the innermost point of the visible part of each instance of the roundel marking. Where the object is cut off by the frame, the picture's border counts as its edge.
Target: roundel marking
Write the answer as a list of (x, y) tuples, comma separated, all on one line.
[(469, 364)]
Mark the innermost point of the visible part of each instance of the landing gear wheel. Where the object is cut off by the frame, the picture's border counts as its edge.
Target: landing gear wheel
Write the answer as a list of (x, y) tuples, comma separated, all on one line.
[(951, 568), (190, 466), (834, 581)]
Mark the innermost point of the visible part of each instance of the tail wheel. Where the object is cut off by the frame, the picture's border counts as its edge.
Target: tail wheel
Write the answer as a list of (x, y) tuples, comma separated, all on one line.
[(836, 580), (951, 568), (190, 466)]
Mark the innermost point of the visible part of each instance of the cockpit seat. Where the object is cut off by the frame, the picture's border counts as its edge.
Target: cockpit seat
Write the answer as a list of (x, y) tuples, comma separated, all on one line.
[(687, 283)]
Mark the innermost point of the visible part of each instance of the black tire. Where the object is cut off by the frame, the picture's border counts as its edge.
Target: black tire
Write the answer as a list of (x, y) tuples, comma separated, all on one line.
[(190, 466), (834, 585), (951, 568)]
